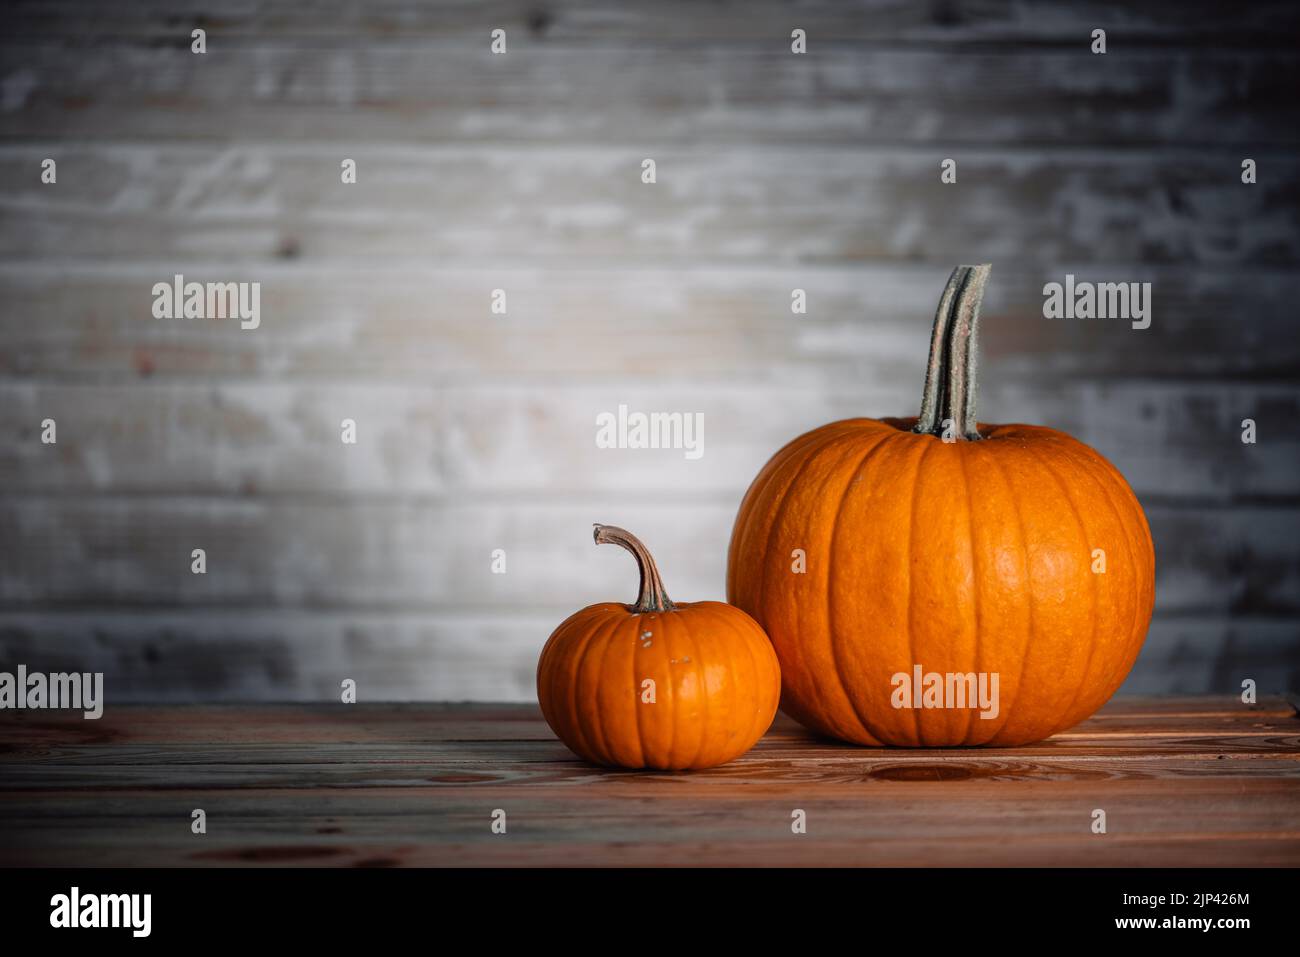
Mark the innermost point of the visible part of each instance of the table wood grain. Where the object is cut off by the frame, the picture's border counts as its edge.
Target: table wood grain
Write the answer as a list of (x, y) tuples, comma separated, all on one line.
[(1183, 782)]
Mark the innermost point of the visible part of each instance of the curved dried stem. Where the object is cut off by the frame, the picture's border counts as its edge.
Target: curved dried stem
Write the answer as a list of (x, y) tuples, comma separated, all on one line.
[(652, 596), (951, 375)]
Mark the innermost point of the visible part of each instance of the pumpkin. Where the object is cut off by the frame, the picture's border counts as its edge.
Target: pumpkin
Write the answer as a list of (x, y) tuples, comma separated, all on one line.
[(656, 684), (896, 563)]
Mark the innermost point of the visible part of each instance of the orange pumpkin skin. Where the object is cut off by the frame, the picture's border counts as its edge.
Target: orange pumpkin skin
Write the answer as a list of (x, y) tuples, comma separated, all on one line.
[(961, 557), (715, 674)]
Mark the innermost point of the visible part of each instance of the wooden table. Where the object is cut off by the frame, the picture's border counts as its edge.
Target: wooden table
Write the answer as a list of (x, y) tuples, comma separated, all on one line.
[(1182, 781)]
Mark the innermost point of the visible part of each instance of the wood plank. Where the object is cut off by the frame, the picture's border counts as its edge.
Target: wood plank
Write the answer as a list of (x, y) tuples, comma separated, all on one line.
[(1183, 655), (549, 764), (303, 845), (869, 323), (562, 205), (1161, 22), (422, 555), (251, 654), (537, 437), (379, 785), (863, 827), (47, 735), (405, 89), (342, 746)]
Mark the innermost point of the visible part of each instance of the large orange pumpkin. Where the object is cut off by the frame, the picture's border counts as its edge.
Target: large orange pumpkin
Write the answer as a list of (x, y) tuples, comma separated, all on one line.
[(657, 684), (896, 563)]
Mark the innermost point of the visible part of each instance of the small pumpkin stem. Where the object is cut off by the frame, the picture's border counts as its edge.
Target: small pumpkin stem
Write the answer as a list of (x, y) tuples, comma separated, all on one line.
[(950, 377), (652, 596)]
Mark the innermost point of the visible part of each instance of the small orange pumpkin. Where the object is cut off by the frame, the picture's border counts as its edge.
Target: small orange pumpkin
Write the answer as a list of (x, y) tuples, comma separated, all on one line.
[(657, 684), (937, 546)]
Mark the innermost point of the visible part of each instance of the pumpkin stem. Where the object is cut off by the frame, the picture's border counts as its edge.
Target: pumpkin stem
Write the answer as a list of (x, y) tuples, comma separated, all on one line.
[(949, 395), (652, 596)]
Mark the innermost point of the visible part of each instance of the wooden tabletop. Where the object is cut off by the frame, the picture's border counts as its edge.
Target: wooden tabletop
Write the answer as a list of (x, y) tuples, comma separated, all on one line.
[(1182, 781)]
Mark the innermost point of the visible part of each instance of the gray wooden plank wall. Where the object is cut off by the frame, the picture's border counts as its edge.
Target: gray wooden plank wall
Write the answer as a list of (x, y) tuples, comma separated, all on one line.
[(522, 172)]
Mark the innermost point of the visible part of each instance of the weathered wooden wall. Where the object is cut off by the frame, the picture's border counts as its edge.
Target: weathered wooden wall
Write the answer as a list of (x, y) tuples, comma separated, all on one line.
[(522, 172)]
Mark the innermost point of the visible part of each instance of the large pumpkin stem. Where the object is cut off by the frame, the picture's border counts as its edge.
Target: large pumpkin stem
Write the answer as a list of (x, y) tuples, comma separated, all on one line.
[(652, 597), (949, 394)]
